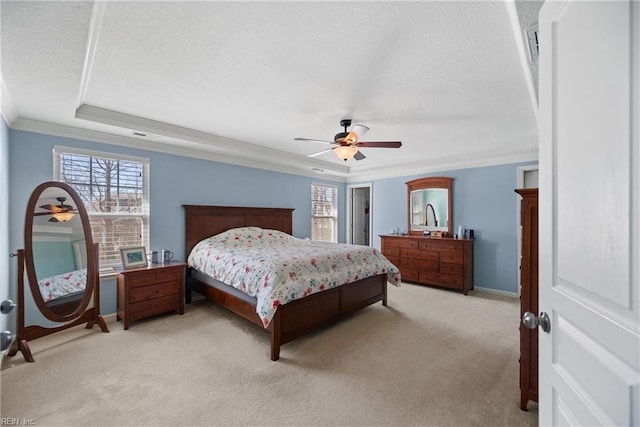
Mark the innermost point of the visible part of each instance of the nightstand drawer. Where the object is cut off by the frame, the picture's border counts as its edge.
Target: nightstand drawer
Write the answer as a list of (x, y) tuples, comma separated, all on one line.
[(144, 309), (154, 291), (152, 277)]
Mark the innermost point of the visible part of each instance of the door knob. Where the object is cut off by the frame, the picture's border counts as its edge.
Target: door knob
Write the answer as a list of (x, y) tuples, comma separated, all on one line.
[(5, 339), (6, 306), (532, 321)]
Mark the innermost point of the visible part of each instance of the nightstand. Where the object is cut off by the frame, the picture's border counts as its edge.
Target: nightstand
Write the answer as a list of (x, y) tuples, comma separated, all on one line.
[(147, 291)]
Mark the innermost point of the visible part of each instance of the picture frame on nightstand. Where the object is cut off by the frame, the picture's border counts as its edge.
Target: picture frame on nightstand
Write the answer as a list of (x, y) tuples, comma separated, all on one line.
[(133, 257)]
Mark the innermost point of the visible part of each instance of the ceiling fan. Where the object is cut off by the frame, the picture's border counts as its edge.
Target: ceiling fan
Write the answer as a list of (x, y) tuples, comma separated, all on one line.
[(60, 212), (348, 142)]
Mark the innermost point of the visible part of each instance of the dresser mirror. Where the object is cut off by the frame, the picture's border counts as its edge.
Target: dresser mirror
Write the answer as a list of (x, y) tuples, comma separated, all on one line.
[(61, 265), (429, 205)]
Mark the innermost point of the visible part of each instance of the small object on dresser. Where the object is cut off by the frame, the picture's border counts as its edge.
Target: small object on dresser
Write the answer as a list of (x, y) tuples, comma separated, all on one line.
[(133, 257), (167, 255), (152, 257), (471, 234), (460, 232)]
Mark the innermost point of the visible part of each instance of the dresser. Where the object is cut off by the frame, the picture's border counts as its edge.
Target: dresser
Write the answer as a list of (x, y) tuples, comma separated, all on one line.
[(442, 262), (148, 291), (528, 296)]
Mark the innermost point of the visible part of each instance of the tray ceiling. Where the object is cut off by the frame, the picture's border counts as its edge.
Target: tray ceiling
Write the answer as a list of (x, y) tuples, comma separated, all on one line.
[(238, 81)]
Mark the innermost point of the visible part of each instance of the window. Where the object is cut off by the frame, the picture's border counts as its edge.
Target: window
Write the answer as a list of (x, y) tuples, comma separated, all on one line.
[(115, 191), (324, 213)]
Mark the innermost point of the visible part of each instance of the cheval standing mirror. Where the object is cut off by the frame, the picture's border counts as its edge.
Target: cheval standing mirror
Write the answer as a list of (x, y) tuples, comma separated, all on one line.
[(61, 263)]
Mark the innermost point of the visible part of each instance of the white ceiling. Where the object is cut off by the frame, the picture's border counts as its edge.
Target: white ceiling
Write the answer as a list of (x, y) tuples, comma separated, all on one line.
[(238, 81)]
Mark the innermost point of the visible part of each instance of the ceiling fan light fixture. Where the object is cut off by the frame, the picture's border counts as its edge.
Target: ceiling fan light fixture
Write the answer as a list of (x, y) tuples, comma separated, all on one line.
[(62, 217), (346, 152)]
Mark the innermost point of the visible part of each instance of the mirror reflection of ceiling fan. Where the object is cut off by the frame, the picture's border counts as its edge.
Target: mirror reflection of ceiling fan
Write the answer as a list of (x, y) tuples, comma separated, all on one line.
[(347, 143), (59, 212)]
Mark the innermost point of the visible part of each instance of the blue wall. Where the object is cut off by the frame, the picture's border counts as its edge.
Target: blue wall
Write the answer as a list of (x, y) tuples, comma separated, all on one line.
[(53, 258), (174, 181), (483, 200)]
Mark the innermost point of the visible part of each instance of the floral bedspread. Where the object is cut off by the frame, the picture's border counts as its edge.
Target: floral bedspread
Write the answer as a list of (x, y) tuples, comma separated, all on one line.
[(63, 284), (277, 268)]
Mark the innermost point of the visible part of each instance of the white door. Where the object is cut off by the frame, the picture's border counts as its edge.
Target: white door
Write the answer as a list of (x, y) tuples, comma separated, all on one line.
[(590, 213)]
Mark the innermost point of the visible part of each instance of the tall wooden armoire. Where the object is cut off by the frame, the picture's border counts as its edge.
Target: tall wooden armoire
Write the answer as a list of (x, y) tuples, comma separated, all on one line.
[(528, 296)]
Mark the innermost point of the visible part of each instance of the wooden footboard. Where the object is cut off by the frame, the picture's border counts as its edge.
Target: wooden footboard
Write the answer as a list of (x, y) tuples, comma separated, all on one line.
[(302, 316)]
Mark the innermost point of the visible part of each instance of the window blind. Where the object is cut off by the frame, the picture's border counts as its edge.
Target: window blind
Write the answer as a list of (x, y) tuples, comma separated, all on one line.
[(115, 192), (324, 212)]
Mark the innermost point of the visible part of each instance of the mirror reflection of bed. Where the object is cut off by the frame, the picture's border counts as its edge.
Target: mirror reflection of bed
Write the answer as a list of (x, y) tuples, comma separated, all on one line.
[(59, 256)]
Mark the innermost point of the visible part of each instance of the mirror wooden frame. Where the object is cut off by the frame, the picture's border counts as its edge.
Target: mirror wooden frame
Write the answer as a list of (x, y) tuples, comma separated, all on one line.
[(426, 183), (75, 317)]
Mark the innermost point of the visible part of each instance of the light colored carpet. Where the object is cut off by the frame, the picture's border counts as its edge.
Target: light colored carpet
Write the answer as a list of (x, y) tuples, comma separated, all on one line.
[(432, 357)]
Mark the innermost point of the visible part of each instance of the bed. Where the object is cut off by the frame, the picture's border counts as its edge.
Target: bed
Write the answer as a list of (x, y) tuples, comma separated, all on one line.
[(289, 320), (62, 292)]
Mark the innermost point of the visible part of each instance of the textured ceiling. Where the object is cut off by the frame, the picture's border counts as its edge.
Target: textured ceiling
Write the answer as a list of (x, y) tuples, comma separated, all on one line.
[(238, 81)]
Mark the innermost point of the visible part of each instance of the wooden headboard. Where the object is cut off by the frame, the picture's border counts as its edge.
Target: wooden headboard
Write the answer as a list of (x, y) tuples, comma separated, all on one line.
[(205, 221)]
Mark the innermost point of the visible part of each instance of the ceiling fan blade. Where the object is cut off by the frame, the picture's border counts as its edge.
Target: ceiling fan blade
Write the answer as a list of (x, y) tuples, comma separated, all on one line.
[(380, 144), (320, 152), (359, 130), (356, 133), (53, 208), (359, 156), (314, 140)]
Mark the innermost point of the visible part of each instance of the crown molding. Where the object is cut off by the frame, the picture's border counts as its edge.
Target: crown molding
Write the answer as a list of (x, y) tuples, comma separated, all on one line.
[(440, 164), (278, 161), (522, 45), (8, 109), (187, 149), (97, 17), (232, 148)]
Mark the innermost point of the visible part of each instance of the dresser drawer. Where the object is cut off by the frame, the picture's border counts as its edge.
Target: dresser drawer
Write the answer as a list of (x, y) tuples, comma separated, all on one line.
[(442, 245), (418, 264), (156, 306), (393, 260), (409, 274), (391, 251), (152, 277), (452, 257), (400, 242), (448, 279), (429, 277), (144, 293), (453, 269), (419, 254)]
